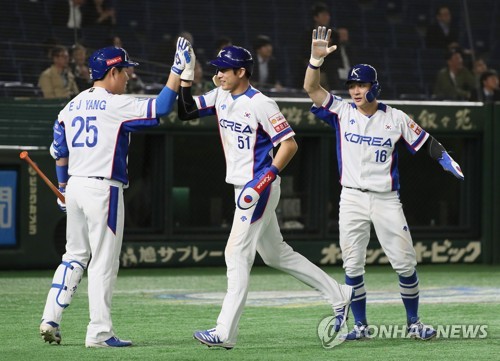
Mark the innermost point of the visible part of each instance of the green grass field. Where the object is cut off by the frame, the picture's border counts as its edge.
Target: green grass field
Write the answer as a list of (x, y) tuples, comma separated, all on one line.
[(160, 308)]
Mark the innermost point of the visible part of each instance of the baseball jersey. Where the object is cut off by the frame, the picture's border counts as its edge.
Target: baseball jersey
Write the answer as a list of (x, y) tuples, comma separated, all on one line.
[(250, 126), (97, 127), (366, 145)]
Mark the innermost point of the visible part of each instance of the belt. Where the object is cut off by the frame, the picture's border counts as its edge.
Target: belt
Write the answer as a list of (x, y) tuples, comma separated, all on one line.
[(358, 189), (100, 178)]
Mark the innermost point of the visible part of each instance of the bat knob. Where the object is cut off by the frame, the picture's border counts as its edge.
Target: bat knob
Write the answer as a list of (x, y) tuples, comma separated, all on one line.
[(23, 154)]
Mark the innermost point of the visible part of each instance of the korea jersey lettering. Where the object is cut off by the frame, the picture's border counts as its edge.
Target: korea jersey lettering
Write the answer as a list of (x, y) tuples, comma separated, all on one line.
[(97, 125), (250, 126), (366, 145)]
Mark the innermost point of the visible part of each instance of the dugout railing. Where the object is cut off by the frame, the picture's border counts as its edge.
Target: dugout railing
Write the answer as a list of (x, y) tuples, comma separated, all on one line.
[(179, 209)]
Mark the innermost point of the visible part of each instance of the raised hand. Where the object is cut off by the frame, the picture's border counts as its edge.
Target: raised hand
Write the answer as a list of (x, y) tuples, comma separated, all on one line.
[(188, 73), (319, 46), (182, 55)]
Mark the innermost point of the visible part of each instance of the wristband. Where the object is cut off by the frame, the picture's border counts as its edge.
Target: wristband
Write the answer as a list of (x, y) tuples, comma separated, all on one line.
[(62, 173), (176, 70), (313, 67), (316, 62)]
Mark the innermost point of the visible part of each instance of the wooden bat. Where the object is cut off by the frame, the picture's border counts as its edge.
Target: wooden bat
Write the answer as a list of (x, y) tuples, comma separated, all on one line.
[(24, 155)]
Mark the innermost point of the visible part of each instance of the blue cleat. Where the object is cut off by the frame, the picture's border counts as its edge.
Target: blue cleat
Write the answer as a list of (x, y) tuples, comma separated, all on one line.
[(342, 313), (110, 342), (359, 332), (418, 330), (211, 339)]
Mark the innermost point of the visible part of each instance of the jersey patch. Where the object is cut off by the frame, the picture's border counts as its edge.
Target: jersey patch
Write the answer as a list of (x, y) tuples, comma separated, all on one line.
[(415, 127), (279, 122)]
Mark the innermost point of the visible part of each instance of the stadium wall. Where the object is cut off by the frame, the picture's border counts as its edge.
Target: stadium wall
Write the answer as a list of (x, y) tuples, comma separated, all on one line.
[(179, 209)]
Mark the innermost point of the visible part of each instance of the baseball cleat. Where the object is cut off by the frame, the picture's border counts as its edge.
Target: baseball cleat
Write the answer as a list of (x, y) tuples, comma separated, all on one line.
[(50, 332), (418, 330), (342, 313), (211, 339), (359, 332), (110, 342)]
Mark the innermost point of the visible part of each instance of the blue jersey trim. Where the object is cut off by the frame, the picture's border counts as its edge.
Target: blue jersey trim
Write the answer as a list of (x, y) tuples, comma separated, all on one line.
[(395, 170), (281, 134), (262, 147), (113, 208)]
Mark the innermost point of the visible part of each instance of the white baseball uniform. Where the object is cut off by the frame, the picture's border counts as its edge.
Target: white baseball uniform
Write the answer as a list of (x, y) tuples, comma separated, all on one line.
[(97, 130), (250, 126), (368, 166)]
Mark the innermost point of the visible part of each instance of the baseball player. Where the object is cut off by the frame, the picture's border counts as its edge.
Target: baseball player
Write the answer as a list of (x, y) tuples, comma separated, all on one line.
[(251, 126), (367, 132), (91, 140)]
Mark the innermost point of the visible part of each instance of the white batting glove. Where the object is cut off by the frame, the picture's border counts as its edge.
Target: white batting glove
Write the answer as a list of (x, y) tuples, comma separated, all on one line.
[(319, 46), (181, 55), (188, 73), (62, 206)]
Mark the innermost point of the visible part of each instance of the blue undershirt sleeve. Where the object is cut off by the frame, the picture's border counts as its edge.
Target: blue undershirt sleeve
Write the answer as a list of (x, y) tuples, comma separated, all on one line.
[(165, 101)]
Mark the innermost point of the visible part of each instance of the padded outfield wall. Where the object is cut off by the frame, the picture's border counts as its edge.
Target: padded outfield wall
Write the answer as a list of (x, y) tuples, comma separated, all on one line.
[(179, 209)]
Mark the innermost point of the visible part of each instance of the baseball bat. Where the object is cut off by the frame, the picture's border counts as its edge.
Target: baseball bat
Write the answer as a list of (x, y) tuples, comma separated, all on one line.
[(24, 155)]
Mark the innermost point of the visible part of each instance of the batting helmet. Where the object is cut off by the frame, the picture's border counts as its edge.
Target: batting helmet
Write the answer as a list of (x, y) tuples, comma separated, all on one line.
[(106, 58), (234, 57), (364, 73)]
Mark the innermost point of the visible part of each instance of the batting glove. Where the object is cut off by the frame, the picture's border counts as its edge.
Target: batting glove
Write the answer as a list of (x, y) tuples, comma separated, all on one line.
[(319, 46), (181, 55), (188, 73), (251, 192), (450, 165), (62, 206)]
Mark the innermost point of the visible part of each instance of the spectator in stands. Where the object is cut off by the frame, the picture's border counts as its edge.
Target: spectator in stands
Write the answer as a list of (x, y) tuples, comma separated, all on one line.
[(265, 72), (454, 82), (321, 16), (490, 89), (200, 84), (79, 67), (342, 59), (441, 33), (135, 85), (67, 19), (98, 12), (115, 40), (58, 81), (478, 68)]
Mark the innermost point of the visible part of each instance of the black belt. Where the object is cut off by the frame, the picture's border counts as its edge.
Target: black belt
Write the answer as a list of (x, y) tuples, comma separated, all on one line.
[(100, 178), (358, 189)]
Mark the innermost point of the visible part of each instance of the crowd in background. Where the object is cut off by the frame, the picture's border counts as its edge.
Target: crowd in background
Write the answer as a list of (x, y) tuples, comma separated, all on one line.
[(81, 26)]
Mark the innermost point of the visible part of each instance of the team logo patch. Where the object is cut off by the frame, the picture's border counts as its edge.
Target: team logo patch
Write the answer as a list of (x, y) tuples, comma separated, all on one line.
[(243, 219), (247, 115), (223, 106), (279, 122), (352, 121), (388, 127), (415, 127), (115, 60)]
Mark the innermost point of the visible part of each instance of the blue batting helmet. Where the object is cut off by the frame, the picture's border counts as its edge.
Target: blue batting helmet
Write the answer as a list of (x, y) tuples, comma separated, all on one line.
[(364, 73), (106, 58), (234, 57)]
